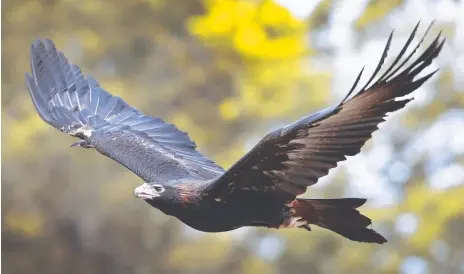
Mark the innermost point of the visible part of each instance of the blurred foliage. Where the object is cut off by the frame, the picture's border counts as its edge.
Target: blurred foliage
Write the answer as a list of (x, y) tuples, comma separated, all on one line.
[(225, 71), (377, 10)]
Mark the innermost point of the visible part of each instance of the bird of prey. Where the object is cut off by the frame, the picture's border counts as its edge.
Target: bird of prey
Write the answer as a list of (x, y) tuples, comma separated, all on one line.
[(260, 189)]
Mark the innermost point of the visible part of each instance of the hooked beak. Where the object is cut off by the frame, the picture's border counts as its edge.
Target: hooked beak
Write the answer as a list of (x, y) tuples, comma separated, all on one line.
[(145, 192)]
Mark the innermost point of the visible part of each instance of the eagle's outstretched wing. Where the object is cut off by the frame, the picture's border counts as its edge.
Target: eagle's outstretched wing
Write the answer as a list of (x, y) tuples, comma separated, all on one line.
[(66, 99), (285, 162)]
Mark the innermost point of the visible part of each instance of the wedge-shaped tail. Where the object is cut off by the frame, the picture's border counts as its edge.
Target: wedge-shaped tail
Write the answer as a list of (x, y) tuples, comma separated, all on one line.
[(338, 215)]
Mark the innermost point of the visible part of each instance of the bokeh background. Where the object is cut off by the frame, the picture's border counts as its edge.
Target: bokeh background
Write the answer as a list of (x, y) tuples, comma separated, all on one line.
[(227, 72)]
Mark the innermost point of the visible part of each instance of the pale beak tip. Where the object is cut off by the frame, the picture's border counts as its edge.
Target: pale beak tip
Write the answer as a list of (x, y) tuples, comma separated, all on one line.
[(143, 192)]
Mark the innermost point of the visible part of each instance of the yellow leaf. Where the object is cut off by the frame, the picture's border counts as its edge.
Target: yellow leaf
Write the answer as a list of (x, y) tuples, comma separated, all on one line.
[(249, 38), (229, 109), (90, 39), (274, 14), (222, 18), (284, 47), (28, 223), (250, 96), (376, 10), (21, 132)]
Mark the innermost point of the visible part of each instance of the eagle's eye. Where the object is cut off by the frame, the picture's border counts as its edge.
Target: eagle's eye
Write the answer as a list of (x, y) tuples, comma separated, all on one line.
[(158, 188)]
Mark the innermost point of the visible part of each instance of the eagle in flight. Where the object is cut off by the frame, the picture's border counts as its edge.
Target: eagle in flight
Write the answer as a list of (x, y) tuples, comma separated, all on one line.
[(260, 189)]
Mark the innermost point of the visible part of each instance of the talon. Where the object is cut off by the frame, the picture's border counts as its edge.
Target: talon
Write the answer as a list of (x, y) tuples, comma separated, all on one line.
[(300, 223), (293, 222)]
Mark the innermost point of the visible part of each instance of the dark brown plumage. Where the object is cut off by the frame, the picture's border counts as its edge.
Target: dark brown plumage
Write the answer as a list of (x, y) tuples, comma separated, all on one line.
[(261, 189), (296, 156)]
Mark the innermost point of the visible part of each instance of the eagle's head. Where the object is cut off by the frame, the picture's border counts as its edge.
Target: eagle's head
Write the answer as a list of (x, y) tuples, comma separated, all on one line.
[(157, 193), (168, 195)]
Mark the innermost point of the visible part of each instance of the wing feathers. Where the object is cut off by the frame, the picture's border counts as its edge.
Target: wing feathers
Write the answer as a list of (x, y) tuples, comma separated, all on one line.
[(297, 155), (382, 60), (78, 106), (353, 87), (388, 78), (403, 50)]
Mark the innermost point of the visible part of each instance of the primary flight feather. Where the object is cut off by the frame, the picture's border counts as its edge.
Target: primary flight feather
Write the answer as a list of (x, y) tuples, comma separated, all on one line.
[(261, 189)]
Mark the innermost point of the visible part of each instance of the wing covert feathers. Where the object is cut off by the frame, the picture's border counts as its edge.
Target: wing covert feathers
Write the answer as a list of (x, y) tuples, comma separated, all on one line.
[(77, 105), (294, 157)]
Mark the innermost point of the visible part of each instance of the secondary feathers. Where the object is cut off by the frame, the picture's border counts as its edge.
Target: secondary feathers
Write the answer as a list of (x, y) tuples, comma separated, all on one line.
[(261, 188), (76, 104), (285, 162)]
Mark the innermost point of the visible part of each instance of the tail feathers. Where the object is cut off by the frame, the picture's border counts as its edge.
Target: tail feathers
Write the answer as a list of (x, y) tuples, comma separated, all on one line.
[(339, 216)]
